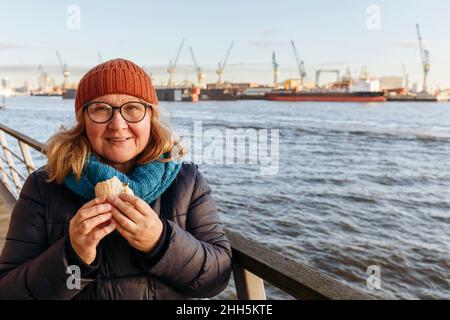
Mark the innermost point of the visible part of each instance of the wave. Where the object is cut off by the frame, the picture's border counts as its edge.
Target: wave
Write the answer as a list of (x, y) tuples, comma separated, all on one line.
[(375, 134), (330, 128), (328, 181), (360, 198)]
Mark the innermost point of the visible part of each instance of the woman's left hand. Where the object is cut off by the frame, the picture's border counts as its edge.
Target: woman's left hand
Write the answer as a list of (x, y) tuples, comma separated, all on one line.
[(136, 221)]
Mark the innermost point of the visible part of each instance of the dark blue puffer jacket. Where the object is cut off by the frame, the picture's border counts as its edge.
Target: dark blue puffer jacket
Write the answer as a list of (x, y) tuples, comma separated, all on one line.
[(196, 260)]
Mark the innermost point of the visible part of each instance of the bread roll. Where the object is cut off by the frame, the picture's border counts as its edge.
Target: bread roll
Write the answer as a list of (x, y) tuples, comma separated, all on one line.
[(112, 186)]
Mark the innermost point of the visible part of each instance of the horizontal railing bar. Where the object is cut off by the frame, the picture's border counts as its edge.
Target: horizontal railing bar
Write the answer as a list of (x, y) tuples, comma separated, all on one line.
[(36, 145), (295, 278)]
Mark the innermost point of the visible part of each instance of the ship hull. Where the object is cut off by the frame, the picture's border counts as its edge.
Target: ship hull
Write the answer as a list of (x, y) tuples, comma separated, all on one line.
[(69, 94), (327, 96)]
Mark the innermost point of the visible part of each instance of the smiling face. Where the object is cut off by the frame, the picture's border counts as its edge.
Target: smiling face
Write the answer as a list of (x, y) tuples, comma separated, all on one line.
[(117, 140)]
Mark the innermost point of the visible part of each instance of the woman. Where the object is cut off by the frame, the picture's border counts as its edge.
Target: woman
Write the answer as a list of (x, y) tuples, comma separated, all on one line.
[(164, 242)]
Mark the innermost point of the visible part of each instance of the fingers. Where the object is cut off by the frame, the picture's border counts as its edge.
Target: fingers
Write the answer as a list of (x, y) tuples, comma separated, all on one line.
[(123, 221), (88, 225), (126, 209), (100, 232), (89, 212), (94, 202), (124, 232), (140, 205)]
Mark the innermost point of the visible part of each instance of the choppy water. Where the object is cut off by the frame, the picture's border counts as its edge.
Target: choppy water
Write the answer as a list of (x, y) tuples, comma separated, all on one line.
[(357, 184)]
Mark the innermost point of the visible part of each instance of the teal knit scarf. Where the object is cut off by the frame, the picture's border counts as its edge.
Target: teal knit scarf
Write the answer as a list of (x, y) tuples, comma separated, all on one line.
[(147, 181)]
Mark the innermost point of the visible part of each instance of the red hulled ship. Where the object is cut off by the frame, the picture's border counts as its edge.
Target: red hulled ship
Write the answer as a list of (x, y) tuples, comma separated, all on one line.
[(327, 96)]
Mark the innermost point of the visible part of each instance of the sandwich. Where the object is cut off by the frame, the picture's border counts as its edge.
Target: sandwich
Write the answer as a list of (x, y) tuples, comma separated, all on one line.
[(112, 186)]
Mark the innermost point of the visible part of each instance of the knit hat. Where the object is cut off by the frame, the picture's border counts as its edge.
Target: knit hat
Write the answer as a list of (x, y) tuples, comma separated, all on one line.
[(117, 76)]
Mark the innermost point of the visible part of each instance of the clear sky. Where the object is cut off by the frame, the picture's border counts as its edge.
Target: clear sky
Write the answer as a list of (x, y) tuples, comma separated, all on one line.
[(328, 34)]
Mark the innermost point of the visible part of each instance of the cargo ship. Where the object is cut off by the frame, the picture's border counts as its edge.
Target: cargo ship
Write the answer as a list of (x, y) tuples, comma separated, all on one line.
[(219, 94), (326, 96), (363, 90)]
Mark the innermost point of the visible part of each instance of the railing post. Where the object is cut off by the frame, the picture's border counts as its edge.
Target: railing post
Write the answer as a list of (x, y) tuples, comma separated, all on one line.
[(4, 175), (10, 161), (248, 285), (4, 178), (27, 157)]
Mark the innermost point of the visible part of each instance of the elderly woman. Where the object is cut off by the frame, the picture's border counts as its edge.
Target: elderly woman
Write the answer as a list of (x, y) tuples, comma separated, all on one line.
[(163, 242)]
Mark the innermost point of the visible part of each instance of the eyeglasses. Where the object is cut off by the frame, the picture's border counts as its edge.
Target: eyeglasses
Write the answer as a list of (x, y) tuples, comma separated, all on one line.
[(102, 112)]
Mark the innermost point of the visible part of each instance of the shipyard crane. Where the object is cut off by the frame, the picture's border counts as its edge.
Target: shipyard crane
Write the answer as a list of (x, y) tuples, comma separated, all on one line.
[(345, 82), (405, 77), (318, 72), (425, 55), (300, 64), (276, 72), (44, 79), (173, 64), (200, 74), (64, 70), (221, 66)]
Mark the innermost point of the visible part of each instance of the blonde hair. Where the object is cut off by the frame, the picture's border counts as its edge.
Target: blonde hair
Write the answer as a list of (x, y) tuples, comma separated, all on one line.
[(68, 149)]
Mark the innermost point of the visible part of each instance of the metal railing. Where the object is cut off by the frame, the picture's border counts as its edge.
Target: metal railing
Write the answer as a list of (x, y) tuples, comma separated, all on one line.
[(252, 263)]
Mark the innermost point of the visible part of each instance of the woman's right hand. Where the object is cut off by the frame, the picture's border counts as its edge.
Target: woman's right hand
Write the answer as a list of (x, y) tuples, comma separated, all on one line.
[(88, 227)]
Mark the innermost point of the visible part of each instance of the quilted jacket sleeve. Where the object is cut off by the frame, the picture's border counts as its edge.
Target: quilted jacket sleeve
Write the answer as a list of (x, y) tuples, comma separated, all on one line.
[(30, 268), (197, 261)]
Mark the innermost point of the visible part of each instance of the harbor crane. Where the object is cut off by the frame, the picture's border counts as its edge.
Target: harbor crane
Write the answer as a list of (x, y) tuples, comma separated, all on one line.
[(221, 66), (65, 71), (173, 64), (425, 55), (200, 74), (44, 79), (300, 64), (318, 72), (276, 72)]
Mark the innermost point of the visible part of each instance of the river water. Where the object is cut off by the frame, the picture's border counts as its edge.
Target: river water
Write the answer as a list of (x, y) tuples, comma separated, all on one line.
[(350, 185)]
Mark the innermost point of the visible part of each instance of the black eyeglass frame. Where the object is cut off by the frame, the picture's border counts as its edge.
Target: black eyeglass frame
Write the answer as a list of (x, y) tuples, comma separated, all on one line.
[(146, 105)]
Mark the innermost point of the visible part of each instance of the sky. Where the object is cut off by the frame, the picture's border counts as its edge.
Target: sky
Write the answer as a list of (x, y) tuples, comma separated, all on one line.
[(328, 35)]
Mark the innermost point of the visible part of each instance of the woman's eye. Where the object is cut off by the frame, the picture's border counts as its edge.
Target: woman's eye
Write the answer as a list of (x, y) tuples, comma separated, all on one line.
[(100, 108), (133, 108)]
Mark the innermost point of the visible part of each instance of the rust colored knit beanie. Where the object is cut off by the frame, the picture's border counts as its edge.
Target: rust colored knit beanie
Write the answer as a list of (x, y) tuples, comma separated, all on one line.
[(117, 76)]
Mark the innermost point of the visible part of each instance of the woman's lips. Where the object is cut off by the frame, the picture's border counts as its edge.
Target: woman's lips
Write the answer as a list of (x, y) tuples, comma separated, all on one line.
[(117, 140)]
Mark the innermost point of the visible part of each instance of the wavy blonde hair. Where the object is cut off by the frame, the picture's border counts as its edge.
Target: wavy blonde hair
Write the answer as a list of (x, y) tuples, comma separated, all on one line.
[(68, 149)]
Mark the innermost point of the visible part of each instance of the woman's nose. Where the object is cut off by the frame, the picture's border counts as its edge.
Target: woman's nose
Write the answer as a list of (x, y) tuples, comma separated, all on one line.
[(117, 121)]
